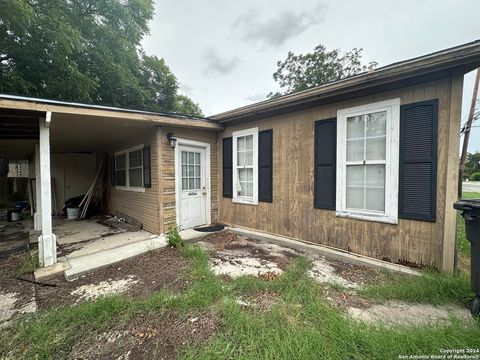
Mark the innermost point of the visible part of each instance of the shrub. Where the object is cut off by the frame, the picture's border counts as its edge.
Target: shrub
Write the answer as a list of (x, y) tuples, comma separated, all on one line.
[(173, 237), (475, 176)]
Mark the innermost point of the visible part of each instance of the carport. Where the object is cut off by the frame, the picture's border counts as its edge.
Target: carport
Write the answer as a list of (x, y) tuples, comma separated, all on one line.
[(37, 129)]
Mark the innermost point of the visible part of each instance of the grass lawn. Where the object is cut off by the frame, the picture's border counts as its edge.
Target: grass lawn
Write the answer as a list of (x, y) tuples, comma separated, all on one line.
[(299, 324)]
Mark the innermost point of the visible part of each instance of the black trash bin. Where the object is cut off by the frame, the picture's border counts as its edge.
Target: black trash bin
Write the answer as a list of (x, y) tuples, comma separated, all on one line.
[(471, 213)]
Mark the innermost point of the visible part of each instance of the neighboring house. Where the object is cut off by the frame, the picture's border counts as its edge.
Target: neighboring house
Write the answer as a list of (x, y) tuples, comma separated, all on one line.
[(368, 164)]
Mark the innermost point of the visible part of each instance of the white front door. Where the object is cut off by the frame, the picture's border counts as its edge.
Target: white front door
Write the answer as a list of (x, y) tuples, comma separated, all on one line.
[(191, 183)]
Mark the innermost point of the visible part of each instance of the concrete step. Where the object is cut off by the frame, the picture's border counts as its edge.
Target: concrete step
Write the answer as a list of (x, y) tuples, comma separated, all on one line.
[(87, 263), (109, 242)]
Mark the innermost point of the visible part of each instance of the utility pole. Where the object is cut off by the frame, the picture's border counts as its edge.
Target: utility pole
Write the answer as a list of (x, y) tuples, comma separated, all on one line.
[(466, 133)]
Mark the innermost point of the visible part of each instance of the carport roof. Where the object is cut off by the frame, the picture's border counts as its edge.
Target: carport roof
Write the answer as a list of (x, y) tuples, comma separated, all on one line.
[(39, 105)]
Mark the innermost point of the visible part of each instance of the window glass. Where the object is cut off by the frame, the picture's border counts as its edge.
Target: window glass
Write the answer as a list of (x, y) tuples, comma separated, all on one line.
[(135, 177), (245, 160), (135, 158), (366, 154), (191, 170), (246, 182), (129, 169)]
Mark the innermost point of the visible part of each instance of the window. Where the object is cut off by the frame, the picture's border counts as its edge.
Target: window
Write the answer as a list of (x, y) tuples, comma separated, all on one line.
[(191, 170), (245, 166), (129, 169), (367, 162)]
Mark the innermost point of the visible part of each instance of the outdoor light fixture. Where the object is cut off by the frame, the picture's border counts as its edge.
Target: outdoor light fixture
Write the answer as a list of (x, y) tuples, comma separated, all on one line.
[(172, 140)]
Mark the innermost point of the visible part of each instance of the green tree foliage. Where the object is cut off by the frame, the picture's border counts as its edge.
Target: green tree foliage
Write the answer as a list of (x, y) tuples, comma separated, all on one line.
[(475, 176), (86, 51), (185, 105), (304, 71), (472, 165)]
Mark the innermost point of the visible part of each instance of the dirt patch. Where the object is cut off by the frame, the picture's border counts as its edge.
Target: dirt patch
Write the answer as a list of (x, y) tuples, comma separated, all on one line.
[(356, 273), (234, 255), (135, 277), (243, 266), (346, 299), (104, 288), (16, 296), (145, 338), (262, 301), (403, 314)]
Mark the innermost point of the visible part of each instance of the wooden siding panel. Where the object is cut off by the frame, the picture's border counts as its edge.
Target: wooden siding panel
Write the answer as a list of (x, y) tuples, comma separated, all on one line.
[(142, 206), (292, 213)]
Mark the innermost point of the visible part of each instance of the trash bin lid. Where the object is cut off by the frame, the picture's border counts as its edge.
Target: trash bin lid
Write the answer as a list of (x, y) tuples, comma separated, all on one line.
[(467, 204)]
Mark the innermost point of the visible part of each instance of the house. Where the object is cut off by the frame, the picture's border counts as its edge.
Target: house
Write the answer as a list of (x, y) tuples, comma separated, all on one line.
[(368, 164)]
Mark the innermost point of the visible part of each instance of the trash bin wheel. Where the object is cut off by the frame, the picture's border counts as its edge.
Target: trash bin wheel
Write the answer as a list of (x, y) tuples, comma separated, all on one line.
[(476, 307)]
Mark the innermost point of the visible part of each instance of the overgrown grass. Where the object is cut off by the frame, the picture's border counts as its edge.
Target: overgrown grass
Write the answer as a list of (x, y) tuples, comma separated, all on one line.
[(300, 325), (431, 288), (305, 326), (52, 334), (29, 262)]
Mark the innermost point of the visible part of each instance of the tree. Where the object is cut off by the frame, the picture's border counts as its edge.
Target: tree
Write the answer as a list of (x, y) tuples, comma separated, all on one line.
[(472, 165), (84, 50), (185, 105), (304, 71)]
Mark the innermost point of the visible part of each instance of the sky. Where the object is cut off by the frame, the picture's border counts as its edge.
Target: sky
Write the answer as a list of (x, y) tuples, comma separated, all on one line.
[(224, 52)]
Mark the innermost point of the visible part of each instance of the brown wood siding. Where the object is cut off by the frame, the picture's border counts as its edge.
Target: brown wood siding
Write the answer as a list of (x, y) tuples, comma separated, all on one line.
[(167, 171), (142, 206), (292, 213)]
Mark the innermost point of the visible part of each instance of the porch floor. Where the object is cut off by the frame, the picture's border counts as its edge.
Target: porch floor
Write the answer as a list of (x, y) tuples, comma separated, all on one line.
[(86, 245)]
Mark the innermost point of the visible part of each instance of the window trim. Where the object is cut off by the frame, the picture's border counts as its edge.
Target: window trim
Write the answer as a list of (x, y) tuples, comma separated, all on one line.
[(243, 199), (127, 168), (392, 143)]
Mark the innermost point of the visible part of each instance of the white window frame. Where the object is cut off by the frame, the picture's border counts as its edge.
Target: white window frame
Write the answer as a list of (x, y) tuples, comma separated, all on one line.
[(392, 109), (245, 199), (126, 152)]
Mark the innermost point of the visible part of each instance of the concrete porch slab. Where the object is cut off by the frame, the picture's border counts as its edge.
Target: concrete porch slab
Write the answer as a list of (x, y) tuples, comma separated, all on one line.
[(110, 242), (87, 263), (75, 231)]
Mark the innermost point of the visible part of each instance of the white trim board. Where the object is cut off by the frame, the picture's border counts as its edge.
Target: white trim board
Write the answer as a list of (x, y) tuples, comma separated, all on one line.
[(243, 199)]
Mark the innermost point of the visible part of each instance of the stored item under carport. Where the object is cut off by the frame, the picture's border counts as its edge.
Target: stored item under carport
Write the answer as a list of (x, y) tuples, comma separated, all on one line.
[(471, 213)]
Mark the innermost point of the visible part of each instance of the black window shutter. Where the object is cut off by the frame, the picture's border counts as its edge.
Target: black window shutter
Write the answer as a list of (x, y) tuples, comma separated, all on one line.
[(112, 170), (227, 168), (417, 194), (325, 164), (147, 172), (265, 144)]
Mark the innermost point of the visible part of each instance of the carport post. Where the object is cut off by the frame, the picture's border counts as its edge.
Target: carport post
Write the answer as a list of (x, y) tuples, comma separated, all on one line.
[(47, 241), (37, 217)]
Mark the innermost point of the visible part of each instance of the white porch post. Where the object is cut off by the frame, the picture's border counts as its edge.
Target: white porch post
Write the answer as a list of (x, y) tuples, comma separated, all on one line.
[(47, 241), (37, 217)]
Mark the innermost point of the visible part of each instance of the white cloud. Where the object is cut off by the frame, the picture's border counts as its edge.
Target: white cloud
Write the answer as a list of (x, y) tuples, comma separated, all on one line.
[(276, 30), (215, 65)]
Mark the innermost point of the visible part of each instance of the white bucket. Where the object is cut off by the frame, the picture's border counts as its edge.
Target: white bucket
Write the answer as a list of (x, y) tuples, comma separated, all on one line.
[(73, 213), (15, 216)]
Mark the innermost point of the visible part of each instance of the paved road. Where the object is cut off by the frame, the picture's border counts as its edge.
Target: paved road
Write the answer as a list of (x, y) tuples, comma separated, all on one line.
[(471, 186)]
